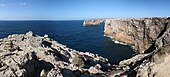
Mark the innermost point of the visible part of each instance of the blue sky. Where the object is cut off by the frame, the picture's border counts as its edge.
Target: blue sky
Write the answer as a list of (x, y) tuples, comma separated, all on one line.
[(81, 9)]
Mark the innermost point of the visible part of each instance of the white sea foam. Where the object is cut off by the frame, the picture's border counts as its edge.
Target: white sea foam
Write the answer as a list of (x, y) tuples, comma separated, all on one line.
[(118, 42)]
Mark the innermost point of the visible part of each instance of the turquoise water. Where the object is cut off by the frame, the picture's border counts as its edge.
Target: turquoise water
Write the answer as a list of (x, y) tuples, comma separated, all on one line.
[(72, 34)]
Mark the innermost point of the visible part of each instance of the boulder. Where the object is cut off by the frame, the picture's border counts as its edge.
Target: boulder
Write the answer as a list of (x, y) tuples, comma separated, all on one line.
[(54, 73), (77, 60), (93, 70), (29, 34)]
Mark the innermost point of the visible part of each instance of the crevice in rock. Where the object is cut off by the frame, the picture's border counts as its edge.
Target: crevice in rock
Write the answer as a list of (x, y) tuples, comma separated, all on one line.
[(152, 47), (163, 31), (46, 44), (132, 72)]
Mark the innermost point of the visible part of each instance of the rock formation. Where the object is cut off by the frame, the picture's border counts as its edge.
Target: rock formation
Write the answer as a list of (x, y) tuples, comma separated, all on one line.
[(151, 37), (152, 64), (92, 22), (29, 55), (139, 32)]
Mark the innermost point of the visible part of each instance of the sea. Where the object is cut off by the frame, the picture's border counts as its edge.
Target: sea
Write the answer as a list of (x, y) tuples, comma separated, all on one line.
[(73, 34)]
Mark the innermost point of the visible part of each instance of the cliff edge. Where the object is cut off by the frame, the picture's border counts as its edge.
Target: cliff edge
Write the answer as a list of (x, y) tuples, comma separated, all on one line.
[(150, 37), (30, 55), (152, 64), (139, 32), (93, 22)]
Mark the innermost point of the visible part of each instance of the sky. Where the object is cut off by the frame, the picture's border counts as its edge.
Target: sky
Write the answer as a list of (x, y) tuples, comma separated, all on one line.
[(81, 9)]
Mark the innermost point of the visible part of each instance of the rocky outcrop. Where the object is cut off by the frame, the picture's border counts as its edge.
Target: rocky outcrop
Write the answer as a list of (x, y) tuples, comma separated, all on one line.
[(29, 55), (139, 32), (149, 36), (93, 22), (152, 64)]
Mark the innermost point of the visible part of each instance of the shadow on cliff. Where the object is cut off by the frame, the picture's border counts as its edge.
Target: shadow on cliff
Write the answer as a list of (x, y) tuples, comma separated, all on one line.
[(34, 66), (77, 73), (152, 47)]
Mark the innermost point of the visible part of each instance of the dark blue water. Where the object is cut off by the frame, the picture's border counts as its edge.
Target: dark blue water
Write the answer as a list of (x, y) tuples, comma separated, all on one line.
[(72, 34)]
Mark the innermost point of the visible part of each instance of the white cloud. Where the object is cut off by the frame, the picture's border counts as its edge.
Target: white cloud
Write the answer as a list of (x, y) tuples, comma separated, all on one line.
[(13, 4), (22, 3)]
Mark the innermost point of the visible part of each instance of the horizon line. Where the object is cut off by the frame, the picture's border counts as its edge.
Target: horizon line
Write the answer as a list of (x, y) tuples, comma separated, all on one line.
[(78, 19)]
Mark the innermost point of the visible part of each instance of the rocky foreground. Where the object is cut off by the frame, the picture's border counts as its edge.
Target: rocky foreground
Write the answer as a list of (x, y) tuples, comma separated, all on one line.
[(29, 55)]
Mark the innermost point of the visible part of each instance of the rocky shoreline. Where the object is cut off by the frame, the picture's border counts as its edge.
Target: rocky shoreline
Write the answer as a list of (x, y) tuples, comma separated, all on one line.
[(138, 32), (30, 55), (150, 38)]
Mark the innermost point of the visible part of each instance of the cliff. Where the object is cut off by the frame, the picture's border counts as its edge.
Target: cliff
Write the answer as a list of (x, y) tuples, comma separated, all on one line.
[(149, 36), (139, 32), (152, 64), (93, 22)]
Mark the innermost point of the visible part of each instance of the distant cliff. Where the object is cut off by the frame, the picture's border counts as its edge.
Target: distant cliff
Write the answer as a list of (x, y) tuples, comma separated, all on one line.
[(93, 22)]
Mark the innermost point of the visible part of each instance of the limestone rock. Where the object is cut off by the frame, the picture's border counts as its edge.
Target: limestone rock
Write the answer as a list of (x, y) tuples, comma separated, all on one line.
[(30, 33), (45, 36), (43, 73), (94, 70), (54, 73), (77, 60), (21, 73), (140, 32), (10, 46), (28, 55), (92, 22)]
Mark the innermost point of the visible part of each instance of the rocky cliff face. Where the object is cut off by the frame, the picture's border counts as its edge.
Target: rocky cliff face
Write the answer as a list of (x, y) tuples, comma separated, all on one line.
[(139, 32), (150, 35), (93, 22), (152, 64)]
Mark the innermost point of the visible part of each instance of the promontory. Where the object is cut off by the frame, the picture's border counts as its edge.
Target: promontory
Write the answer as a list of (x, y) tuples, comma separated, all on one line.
[(31, 55)]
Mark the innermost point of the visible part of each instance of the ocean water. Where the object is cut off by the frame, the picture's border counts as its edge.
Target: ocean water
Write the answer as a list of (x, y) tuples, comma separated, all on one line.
[(74, 35)]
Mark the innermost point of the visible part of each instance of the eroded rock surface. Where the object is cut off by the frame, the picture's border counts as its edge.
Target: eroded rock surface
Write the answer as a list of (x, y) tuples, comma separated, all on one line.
[(139, 32), (152, 64), (29, 55), (150, 37)]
